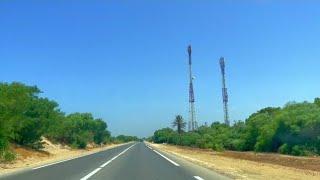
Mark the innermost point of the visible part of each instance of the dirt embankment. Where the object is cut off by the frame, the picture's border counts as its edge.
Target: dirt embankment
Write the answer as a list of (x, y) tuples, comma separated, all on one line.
[(29, 158), (249, 165)]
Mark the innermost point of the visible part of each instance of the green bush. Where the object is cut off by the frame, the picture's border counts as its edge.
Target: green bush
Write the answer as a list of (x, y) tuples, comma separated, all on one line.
[(8, 156), (293, 129), (163, 135), (25, 117), (298, 150), (284, 149), (80, 144), (218, 147), (124, 138), (3, 143)]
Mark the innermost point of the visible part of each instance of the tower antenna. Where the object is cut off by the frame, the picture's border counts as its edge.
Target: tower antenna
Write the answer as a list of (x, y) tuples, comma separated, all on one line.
[(192, 124), (224, 92)]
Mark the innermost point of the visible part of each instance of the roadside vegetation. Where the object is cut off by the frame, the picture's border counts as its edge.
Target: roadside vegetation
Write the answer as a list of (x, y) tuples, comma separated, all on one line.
[(293, 129), (26, 117), (124, 139)]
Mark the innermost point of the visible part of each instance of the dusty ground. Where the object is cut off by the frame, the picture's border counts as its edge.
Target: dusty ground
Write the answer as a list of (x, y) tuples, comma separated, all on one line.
[(242, 165), (306, 163), (27, 158)]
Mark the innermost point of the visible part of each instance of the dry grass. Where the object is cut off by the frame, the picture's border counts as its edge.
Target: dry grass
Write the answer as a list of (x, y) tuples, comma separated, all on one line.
[(249, 165)]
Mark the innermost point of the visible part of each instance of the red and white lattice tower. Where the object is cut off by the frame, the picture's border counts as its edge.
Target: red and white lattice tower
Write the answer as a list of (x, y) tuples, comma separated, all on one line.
[(224, 92), (192, 124)]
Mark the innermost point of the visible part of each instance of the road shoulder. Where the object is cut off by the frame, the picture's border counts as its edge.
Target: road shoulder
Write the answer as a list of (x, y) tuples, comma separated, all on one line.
[(42, 159), (191, 167), (236, 168)]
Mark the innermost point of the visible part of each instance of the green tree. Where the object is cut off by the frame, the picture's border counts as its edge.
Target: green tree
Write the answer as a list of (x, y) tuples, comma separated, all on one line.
[(254, 125), (293, 129), (179, 123), (164, 135), (17, 103), (124, 138), (317, 101), (101, 135), (25, 117)]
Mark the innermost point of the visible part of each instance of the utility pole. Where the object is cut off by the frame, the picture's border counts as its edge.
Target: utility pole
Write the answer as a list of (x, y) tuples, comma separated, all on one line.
[(224, 92), (192, 124)]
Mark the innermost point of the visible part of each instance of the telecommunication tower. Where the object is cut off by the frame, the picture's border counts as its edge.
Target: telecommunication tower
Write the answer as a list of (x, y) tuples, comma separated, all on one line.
[(224, 92), (192, 124)]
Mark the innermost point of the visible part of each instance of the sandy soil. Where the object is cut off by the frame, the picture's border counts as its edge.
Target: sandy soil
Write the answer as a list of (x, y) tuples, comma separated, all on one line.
[(249, 165), (28, 158)]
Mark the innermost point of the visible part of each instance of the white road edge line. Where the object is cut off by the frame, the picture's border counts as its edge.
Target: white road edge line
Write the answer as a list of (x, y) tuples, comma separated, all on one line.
[(52, 163), (69, 159), (91, 174), (174, 163), (198, 177)]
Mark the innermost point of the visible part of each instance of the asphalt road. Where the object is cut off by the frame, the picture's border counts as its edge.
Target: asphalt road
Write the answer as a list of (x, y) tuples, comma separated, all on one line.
[(135, 161)]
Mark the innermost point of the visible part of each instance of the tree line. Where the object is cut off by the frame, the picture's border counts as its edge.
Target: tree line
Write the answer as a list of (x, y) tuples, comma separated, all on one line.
[(25, 117), (293, 129)]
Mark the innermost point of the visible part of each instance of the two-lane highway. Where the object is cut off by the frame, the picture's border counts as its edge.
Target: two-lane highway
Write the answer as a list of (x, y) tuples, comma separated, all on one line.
[(135, 161)]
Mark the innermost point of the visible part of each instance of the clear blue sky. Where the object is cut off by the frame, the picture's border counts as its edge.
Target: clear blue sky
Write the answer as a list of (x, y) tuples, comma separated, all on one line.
[(126, 61)]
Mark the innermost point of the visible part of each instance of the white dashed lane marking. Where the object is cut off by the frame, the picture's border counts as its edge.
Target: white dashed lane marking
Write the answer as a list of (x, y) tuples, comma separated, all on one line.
[(198, 178), (104, 164)]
